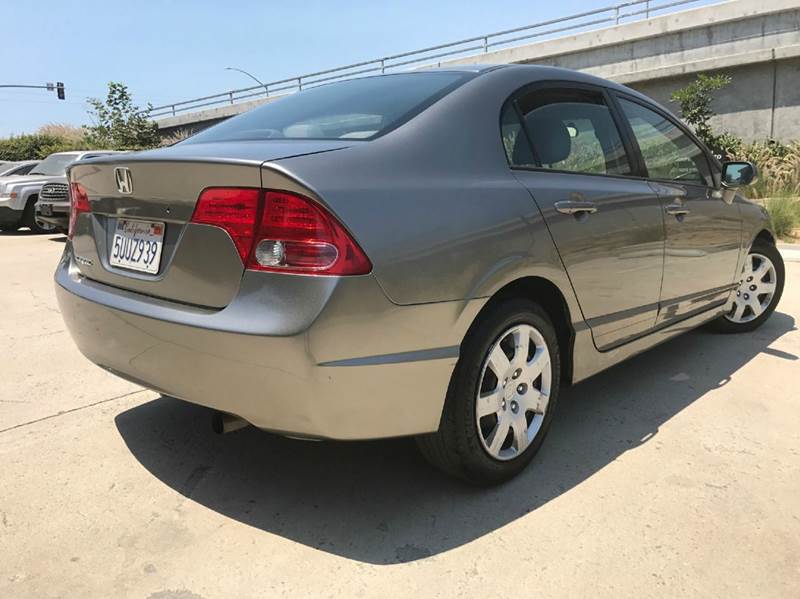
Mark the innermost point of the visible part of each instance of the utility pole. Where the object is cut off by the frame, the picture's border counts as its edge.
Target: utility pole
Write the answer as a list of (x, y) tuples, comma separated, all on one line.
[(58, 87)]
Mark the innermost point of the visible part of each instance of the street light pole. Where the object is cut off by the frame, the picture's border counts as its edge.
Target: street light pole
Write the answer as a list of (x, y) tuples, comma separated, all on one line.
[(253, 77)]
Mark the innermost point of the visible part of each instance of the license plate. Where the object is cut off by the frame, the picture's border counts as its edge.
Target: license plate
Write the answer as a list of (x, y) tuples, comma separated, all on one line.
[(46, 209), (137, 245)]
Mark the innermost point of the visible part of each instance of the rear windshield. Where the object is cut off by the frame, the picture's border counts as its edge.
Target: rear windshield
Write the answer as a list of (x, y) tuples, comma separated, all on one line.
[(355, 109)]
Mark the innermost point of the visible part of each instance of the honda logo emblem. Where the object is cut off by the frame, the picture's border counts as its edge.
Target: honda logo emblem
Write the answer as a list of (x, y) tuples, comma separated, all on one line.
[(124, 180)]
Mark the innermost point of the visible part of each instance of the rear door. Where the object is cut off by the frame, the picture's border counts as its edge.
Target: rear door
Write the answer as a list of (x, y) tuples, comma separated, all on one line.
[(703, 232), (571, 154)]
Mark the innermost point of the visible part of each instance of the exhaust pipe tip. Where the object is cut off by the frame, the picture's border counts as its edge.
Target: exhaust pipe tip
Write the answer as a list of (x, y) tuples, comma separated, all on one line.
[(222, 422)]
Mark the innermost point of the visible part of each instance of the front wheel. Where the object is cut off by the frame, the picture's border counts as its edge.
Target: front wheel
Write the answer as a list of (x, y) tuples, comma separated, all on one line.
[(501, 397), (29, 219), (759, 291)]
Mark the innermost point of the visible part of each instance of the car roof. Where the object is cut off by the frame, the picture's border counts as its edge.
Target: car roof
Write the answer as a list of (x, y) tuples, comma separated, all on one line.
[(533, 73), (539, 72)]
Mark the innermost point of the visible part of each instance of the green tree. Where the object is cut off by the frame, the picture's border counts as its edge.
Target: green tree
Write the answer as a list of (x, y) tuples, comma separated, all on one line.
[(695, 103), (119, 123)]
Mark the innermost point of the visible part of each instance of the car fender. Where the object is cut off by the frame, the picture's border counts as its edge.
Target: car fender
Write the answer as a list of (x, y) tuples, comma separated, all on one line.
[(24, 193), (755, 220)]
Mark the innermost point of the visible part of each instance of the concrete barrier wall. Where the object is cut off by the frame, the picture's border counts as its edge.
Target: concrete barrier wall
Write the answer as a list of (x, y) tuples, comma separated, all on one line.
[(763, 100), (756, 42)]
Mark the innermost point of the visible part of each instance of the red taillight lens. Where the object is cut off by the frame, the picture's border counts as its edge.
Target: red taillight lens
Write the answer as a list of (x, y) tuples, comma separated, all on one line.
[(282, 232), (232, 209), (78, 202)]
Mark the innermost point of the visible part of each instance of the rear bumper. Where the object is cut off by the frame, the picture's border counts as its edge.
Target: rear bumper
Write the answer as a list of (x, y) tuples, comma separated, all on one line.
[(344, 364)]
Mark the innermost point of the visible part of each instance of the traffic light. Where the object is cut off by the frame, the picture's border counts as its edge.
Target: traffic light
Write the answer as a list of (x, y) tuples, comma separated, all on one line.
[(60, 90)]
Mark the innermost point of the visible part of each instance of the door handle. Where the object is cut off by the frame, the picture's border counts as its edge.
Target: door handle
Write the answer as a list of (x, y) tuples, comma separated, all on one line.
[(576, 207), (677, 210)]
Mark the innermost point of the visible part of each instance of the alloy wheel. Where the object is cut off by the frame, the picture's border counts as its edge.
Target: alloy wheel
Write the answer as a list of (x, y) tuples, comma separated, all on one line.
[(513, 392), (756, 289)]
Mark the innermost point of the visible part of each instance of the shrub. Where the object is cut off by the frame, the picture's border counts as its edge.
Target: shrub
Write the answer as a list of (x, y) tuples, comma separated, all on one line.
[(784, 215), (778, 165), (35, 146), (695, 104), (119, 124)]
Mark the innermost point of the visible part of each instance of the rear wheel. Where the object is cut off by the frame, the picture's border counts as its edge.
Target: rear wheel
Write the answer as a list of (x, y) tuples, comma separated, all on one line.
[(501, 397), (759, 291)]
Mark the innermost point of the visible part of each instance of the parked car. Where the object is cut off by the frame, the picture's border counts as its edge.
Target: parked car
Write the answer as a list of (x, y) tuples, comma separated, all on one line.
[(17, 200), (11, 169), (51, 210), (432, 254), (19, 194), (12, 172)]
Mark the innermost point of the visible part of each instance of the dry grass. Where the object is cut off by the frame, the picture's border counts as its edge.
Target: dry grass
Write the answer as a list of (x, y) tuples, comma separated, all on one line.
[(68, 133), (778, 183), (173, 138), (779, 169), (784, 215)]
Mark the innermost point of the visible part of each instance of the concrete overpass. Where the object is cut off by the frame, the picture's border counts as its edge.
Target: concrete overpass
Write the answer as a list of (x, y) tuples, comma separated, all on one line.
[(756, 42)]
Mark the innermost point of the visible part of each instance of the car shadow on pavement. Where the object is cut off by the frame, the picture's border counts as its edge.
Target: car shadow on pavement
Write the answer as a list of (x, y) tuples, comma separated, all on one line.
[(379, 502), (17, 233)]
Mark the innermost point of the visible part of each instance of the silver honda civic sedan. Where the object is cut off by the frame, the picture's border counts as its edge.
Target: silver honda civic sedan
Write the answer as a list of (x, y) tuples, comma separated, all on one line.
[(432, 254)]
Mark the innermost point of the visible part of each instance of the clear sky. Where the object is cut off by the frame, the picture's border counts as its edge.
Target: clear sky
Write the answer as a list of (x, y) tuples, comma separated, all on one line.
[(173, 50)]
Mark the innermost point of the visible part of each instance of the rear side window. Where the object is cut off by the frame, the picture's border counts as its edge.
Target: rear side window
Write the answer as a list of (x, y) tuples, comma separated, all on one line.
[(518, 150), (669, 154), (354, 109), (570, 130)]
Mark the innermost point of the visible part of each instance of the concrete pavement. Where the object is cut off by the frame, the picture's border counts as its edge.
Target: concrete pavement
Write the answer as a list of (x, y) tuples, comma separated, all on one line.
[(674, 474), (790, 252)]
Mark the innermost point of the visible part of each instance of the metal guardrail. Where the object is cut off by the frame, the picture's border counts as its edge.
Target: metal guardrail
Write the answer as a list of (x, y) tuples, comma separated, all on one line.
[(428, 56)]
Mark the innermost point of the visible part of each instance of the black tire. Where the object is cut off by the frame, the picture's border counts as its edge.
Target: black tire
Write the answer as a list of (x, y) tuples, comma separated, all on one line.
[(29, 218), (9, 228), (456, 447), (724, 325)]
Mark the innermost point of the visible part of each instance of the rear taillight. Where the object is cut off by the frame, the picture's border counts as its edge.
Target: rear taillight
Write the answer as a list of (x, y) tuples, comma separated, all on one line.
[(78, 203), (282, 232), (232, 209)]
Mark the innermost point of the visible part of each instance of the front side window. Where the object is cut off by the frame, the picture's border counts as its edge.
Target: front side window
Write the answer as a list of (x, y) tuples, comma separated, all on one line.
[(24, 170), (570, 130), (354, 109), (669, 154)]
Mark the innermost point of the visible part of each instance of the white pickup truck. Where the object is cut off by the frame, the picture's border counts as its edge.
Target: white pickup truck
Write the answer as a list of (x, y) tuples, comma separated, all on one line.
[(18, 195)]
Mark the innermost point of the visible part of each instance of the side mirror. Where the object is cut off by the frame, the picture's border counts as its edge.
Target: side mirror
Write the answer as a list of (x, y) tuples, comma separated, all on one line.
[(738, 174)]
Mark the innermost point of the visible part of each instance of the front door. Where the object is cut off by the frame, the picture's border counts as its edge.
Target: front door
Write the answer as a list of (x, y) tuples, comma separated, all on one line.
[(606, 223), (703, 232)]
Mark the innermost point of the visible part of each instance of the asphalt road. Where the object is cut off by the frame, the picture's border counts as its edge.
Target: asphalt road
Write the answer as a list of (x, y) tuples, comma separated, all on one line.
[(674, 474)]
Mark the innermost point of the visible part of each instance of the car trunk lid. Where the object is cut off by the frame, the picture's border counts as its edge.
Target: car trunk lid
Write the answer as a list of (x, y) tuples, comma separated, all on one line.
[(199, 264)]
